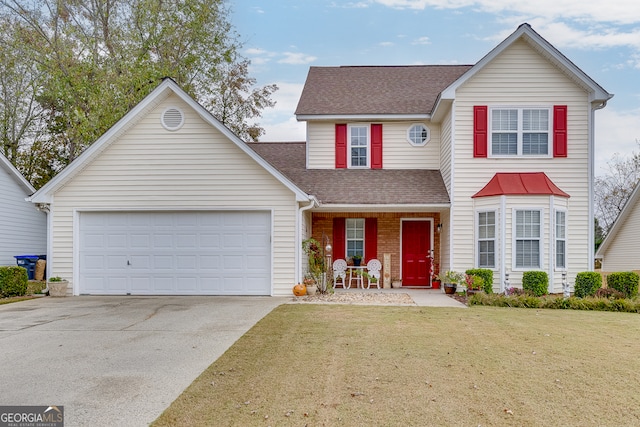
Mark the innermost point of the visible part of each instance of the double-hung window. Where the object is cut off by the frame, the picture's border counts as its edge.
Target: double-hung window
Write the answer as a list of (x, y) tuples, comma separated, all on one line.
[(486, 239), (527, 238), (520, 131), (358, 146), (355, 237), (561, 239)]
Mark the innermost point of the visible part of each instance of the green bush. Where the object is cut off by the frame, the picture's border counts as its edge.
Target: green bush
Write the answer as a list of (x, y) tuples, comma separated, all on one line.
[(13, 281), (485, 274), (623, 305), (536, 282), (625, 282), (587, 284)]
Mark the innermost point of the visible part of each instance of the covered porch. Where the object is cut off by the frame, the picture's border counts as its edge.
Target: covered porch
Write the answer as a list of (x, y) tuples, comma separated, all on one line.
[(407, 245)]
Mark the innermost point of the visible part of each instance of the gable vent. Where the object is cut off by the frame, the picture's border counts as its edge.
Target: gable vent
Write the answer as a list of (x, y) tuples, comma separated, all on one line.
[(172, 118)]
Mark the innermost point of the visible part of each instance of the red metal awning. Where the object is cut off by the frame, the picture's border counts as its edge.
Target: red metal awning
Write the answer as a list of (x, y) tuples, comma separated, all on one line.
[(526, 183)]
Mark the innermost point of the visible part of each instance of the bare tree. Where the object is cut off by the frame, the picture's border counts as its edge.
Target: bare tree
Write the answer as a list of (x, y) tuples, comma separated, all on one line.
[(612, 190)]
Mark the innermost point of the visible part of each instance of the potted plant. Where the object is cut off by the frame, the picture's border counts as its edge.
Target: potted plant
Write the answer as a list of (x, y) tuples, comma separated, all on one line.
[(315, 264), (396, 283), (474, 283), (310, 283), (357, 259), (450, 281), (57, 286)]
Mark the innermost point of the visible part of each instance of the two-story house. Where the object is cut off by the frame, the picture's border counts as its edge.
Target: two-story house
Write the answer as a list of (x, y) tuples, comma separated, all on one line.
[(428, 168)]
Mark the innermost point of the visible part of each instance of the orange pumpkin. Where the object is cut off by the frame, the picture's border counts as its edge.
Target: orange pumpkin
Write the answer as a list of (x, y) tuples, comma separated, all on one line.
[(299, 290)]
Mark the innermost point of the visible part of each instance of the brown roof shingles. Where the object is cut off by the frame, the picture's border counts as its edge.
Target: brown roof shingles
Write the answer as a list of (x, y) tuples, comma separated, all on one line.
[(375, 89), (354, 186)]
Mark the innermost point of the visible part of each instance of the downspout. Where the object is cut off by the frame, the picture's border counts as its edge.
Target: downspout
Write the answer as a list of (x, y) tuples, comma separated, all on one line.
[(46, 208), (298, 252), (590, 178)]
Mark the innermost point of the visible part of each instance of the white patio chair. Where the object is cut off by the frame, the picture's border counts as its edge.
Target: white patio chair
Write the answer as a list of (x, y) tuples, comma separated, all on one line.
[(340, 271), (373, 270)]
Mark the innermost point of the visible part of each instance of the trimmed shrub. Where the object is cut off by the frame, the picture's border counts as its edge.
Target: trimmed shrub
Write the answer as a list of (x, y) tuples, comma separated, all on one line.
[(536, 282), (485, 274), (587, 284), (625, 282), (13, 281)]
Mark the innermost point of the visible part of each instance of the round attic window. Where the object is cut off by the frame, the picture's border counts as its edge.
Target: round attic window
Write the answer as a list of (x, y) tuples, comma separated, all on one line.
[(172, 118)]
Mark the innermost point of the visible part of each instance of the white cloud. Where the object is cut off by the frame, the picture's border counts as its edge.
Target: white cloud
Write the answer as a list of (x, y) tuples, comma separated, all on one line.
[(615, 11), (616, 132), (386, 44), (422, 41), (297, 58), (279, 122)]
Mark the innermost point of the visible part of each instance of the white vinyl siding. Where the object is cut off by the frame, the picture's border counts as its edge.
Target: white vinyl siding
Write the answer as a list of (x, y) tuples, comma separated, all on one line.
[(23, 229), (194, 168), (521, 76), (397, 151)]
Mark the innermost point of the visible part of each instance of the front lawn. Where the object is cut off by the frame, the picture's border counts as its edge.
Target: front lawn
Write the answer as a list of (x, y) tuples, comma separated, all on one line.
[(328, 365)]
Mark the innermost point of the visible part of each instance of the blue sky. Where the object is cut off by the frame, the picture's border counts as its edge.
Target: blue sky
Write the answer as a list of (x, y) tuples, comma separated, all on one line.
[(283, 38)]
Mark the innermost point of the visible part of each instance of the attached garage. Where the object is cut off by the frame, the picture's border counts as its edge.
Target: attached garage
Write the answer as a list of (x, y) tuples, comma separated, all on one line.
[(175, 253)]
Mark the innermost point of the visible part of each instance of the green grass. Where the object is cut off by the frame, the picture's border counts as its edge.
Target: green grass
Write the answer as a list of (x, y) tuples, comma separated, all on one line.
[(326, 365)]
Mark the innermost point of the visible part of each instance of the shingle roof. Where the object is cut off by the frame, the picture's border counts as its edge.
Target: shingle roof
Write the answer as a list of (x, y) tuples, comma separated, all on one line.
[(355, 186), (375, 89)]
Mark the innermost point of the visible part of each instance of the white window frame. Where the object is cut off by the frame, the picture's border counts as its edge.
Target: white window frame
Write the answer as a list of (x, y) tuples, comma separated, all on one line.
[(411, 134), (520, 131), (494, 239), (557, 238), (367, 147), (357, 225), (516, 238)]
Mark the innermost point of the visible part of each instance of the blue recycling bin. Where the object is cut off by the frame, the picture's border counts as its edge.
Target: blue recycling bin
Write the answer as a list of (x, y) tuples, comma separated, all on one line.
[(28, 262)]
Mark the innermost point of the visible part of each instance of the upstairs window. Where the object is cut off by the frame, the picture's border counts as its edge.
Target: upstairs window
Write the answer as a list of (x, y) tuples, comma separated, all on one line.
[(358, 146), (418, 135), (520, 132)]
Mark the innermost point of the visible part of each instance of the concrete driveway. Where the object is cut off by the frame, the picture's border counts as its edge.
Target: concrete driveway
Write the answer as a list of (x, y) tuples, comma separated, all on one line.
[(116, 360)]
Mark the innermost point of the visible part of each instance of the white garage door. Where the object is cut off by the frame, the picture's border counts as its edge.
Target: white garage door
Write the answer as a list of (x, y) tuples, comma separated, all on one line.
[(175, 253)]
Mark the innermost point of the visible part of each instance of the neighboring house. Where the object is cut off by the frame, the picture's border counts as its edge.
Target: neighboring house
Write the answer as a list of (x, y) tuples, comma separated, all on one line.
[(620, 249), (23, 228), (429, 167)]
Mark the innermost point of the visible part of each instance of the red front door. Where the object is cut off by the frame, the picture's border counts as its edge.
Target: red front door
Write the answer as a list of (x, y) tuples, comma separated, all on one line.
[(416, 251)]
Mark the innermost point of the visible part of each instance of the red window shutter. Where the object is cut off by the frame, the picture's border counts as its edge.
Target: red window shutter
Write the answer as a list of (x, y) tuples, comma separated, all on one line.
[(339, 238), (480, 122), (370, 238), (559, 131), (376, 146), (341, 146)]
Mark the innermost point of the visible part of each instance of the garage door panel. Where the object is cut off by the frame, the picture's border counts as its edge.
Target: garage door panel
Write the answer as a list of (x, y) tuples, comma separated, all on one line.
[(117, 241), (213, 253), (140, 241), (163, 241), (163, 262)]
